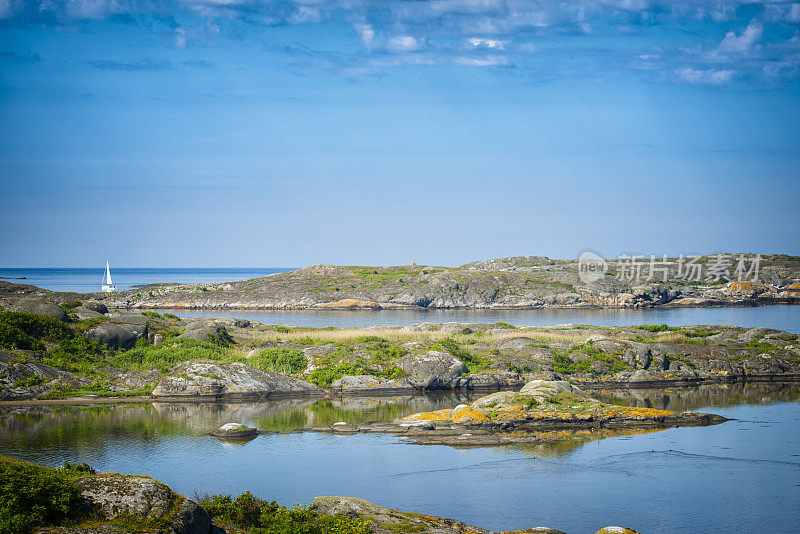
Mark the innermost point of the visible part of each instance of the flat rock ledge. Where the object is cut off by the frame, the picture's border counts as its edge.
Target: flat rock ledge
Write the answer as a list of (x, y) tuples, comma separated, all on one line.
[(542, 412), (210, 379)]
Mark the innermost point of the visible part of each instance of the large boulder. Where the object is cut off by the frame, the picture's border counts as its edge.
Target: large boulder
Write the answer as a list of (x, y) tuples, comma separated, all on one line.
[(39, 307), (95, 306), (116, 496), (82, 313), (117, 335), (204, 331), (542, 390), (433, 370), (209, 378)]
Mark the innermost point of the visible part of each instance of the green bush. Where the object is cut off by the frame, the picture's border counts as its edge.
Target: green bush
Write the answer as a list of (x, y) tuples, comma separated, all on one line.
[(279, 359), (502, 324), (262, 517), (473, 362), (27, 331), (32, 496), (165, 355), (170, 316), (71, 305), (152, 314), (33, 380), (657, 328), (76, 355)]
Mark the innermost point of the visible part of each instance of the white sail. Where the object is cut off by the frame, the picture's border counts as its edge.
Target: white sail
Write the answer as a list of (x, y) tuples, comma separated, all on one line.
[(108, 274)]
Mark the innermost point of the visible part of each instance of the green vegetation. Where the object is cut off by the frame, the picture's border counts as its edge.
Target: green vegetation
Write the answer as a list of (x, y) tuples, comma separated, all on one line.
[(508, 326), (27, 331), (32, 496), (280, 360), (261, 517), (563, 363), (657, 328), (166, 354), (71, 305), (474, 362), (700, 332), (325, 376), (33, 380), (170, 316)]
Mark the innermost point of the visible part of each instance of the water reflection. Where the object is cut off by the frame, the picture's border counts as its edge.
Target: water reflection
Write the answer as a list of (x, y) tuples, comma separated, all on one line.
[(708, 395), (85, 428)]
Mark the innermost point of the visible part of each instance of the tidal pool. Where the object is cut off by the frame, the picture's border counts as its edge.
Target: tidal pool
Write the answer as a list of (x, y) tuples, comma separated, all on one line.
[(742, 475)]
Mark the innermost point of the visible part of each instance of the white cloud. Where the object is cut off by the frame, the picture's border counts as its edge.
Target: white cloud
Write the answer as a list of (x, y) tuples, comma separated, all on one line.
[(366, 33), (707, 77), (305, 15), (180, 37), (405, 43), (743, 42), (479, 42), (488, 61)]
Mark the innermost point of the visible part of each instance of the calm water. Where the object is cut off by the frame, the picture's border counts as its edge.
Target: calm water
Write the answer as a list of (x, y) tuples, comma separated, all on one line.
[(741, 476), (87, 280), (781, 317)]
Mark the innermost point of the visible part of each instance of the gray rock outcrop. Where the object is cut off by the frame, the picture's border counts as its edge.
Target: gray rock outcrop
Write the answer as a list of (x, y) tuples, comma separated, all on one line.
[(209, 378), (95, 306), (39, 307), (117, 335), (433, 370), (118, 495)]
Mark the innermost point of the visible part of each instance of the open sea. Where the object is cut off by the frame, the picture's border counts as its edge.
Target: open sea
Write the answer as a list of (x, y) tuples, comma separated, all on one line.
[(88, 279)]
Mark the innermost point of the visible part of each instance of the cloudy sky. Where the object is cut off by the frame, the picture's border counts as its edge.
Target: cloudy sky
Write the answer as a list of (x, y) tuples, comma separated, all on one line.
[(284, 133)]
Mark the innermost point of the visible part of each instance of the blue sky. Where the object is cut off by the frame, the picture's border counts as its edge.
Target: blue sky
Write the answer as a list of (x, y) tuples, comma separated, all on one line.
[(256, 133)]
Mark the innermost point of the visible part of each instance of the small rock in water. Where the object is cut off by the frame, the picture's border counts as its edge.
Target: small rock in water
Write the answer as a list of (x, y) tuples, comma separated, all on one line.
[(235, 430)]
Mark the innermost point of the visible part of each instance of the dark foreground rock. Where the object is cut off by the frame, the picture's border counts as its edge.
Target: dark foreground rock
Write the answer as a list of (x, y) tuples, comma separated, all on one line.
[(215, 380), (112, 497)]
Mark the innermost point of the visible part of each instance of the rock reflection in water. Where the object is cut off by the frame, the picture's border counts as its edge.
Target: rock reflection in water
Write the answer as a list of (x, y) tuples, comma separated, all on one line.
[(679, 399)]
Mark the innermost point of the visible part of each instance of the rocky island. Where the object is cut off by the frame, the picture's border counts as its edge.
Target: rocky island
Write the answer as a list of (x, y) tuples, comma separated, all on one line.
[(83, 348), (535, 414), (526, 282)]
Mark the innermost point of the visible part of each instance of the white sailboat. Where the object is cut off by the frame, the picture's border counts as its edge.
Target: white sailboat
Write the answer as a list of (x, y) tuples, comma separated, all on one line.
[(107, 285)]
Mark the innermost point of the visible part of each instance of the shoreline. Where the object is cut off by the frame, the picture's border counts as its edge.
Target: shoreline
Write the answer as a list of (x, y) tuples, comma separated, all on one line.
[(328, 394)]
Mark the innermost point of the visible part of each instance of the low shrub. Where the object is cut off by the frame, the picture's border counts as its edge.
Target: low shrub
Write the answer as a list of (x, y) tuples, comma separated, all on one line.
[(261, 517), (657, 328), (473, 362), (71, 305), (279, 359), (165, 355), (32, 496), (28, 331)]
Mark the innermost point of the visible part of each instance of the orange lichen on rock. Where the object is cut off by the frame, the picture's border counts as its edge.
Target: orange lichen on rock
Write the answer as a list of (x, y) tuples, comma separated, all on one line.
[(745, 286), (469, 414), (439, 415)]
